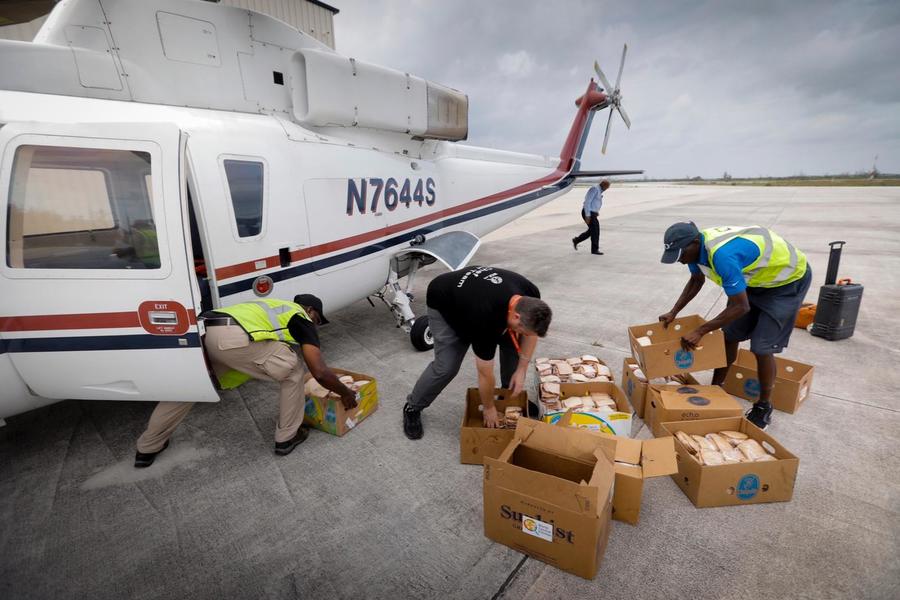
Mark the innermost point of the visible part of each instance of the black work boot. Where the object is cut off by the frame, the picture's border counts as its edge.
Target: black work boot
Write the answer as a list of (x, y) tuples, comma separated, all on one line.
[(412, 422), (142, 460), (285, 448), (760, 414)]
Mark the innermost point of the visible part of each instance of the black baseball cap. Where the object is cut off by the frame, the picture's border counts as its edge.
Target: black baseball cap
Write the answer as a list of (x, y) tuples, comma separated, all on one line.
[(313, 302), (676, 238)]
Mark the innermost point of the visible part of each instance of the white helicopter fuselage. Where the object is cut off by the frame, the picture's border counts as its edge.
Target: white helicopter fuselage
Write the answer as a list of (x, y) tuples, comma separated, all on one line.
[(236, 205)]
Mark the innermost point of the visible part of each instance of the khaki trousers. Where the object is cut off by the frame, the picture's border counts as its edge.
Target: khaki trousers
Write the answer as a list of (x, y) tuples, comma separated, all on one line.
[(229, 347)]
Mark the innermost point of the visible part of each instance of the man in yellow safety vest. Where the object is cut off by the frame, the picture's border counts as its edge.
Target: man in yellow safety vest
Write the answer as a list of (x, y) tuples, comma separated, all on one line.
[(765, 278), (256, 340)]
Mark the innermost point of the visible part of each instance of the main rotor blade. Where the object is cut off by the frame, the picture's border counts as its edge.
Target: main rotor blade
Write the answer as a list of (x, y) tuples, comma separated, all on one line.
[(603, 78), (624, 116), (608, 124), (621, 66)]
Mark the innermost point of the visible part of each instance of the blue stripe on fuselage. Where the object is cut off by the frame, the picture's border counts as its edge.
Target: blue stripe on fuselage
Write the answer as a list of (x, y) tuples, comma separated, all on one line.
[(309, 267), (100, 342)]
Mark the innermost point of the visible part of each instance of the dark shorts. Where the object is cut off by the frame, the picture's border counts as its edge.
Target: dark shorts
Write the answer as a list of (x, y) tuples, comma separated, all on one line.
[(770, 322)]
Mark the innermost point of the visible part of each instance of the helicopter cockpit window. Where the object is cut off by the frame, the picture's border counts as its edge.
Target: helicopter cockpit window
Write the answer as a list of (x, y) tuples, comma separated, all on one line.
[(80, 208), (245, 182)]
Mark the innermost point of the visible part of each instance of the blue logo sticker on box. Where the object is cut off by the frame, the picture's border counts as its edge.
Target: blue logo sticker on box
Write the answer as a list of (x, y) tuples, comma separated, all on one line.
[(629, 388), (698, 400), (751, 388), (684, 359), (747, 487)]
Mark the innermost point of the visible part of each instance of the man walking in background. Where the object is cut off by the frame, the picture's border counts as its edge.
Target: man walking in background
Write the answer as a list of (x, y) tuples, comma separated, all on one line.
[(593, 200)]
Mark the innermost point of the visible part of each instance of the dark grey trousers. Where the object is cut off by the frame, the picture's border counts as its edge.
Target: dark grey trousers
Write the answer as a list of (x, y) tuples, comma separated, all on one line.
[(449, 351)]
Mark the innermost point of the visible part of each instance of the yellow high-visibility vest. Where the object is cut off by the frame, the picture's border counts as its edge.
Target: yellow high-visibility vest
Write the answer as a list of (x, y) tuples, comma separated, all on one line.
[(262, 320), (779, 262)]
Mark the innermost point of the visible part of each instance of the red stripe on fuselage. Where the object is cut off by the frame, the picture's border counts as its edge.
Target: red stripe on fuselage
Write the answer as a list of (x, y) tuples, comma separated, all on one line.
[(110, 320), (566, 163)]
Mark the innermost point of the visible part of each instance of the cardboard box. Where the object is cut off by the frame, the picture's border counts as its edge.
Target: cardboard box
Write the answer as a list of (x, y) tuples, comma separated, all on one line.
[(549, 495), (636, 460), (793, 381), (636, 390), (615, 423), (477, 441), (664, 356), (738, 483), (687, 403), (329, 414)]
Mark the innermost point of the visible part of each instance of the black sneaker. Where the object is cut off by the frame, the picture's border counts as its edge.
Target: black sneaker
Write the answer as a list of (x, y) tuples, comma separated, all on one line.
[(760, 414), (597, 253), (285, 448), (412, 423), (575, 243), (142, 460)]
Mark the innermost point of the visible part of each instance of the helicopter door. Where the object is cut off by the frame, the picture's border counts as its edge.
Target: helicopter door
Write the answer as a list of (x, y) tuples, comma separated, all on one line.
[(98, 294)]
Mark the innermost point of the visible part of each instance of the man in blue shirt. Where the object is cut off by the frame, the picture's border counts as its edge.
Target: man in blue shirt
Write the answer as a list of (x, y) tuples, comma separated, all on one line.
[(593, 200), (765, 278)]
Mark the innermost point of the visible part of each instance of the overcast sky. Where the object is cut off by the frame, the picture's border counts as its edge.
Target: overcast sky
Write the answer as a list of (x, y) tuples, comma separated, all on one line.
[(749, 87)]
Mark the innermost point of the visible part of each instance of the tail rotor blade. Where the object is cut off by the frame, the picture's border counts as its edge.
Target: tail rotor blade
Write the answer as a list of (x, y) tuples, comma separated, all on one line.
[(624, 116), (606, 137), (602, 78), (621, 66)]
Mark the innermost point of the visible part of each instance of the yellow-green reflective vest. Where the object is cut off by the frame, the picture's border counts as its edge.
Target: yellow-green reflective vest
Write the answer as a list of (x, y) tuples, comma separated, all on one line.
[(262, 320), (779, 262)]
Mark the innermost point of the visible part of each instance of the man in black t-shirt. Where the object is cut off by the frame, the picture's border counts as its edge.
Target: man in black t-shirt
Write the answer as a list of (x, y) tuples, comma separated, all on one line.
[(486, 308)]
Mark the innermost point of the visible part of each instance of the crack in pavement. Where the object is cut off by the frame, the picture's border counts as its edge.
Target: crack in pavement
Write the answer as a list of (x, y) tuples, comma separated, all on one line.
[(509, 579)]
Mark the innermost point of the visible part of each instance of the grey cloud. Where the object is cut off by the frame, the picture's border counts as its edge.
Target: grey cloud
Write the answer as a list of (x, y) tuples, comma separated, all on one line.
[(749, 87)]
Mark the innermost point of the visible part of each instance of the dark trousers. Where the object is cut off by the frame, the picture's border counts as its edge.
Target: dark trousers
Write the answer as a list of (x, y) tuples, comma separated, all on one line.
[(449, 351), (593, 232)]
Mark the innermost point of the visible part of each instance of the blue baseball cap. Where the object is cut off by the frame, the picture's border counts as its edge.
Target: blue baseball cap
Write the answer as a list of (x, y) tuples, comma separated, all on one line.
[(676, 238)]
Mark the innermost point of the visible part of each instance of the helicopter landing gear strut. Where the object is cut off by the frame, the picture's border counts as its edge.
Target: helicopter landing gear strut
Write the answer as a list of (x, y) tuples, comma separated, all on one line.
[(397, 298)]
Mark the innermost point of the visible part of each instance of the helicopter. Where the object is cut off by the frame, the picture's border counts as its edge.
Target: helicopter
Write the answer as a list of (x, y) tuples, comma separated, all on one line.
[(162, 158)]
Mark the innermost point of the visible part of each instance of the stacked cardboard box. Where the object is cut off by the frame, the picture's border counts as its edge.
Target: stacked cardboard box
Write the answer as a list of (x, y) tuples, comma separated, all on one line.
[(734, 483), (477, 441), (793, 381), (636, 461), (593, 406), (679, 402), (549, 494), (658, 349), (325, 411), (551, 372), (635, 384)]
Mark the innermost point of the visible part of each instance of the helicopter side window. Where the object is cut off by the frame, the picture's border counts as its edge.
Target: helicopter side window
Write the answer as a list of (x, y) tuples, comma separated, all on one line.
[(80, 208), (245, 183)]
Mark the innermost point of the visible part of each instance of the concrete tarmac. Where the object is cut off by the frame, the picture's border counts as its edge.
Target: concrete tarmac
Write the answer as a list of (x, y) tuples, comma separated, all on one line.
[(374, 515)]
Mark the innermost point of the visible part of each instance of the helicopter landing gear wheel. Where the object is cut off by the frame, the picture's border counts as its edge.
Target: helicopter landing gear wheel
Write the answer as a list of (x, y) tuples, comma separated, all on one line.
[(420, 335)]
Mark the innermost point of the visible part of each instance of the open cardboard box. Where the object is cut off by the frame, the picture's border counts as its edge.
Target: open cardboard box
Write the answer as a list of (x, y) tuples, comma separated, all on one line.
[(664, 356), (687, 403), (636, 460), (636, 390), (329, 414), (615, 423), (549, 495), (477, 441), (738, 483), (793, 381)]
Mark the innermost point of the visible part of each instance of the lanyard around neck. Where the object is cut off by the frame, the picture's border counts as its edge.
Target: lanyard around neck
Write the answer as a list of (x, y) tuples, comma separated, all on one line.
[(512, 335)]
